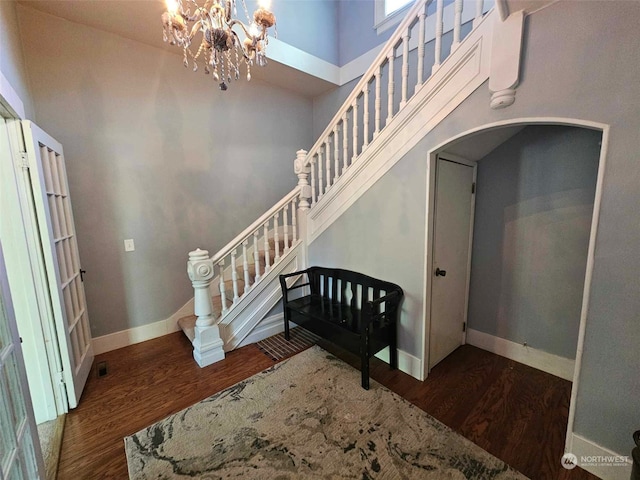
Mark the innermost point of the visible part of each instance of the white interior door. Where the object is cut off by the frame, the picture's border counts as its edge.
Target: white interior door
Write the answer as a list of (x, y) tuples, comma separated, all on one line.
[(60, 250), (454, 204), (20, 456)]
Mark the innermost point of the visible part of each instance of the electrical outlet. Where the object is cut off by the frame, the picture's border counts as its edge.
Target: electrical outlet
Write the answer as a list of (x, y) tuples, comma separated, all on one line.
[(128, 245)]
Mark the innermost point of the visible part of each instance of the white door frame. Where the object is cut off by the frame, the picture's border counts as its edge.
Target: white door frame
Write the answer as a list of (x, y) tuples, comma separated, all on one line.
[(431, 245), (428, 261), (40, 345)]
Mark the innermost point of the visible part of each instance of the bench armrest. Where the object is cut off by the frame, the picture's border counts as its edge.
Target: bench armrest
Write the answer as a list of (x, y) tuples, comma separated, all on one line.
[(286, 289), (386, 298), (293, 274)]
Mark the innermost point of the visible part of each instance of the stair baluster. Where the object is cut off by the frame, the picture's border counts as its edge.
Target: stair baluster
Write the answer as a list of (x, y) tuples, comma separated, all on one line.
[(421, 32), (390, 87), (405, 66), (313, 181), (285, 226), (223, 293), (438, 40), (345, 141), (267, 254), (256, 257), (365, 114), (320, 173), (478, 17), (377, 101), (457, 24), (294, 220), (245, 266), (276, 238), (355, 130), (336, 154), (234, 277), (327, 155)]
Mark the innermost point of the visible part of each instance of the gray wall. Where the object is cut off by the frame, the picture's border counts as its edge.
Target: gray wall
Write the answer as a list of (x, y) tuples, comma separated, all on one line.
[(580, 62), (156, 153), (310, 25), (356, 33), (534, 206), (12, 63)]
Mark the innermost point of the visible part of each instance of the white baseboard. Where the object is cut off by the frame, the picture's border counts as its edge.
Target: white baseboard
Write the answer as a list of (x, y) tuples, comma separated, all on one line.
[(124, 338), (407, 363), (547, 362), (600, 461)]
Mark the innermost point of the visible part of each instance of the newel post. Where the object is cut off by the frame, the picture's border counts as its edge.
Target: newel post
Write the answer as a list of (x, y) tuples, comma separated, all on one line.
[(302, 169), (207, 344)]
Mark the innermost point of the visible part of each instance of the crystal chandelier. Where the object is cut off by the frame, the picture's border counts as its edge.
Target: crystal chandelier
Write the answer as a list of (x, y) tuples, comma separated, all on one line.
[(220, 49)]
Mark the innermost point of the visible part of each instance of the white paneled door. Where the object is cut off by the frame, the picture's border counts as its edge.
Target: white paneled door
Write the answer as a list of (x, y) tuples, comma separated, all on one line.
[(453, 225), (60, 250), (20, 456)]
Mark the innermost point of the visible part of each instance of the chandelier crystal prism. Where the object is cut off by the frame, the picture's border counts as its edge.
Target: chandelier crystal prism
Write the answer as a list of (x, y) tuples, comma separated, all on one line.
[(220, 48)]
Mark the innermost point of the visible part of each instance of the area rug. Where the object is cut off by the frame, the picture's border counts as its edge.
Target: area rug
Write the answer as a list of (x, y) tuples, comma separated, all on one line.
[(307, 417)]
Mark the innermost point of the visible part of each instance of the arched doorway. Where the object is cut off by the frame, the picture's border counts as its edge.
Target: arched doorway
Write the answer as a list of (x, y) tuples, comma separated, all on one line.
[(538, 209)]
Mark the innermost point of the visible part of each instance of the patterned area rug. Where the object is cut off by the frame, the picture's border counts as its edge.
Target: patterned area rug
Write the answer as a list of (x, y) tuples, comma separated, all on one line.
[(307, 417)]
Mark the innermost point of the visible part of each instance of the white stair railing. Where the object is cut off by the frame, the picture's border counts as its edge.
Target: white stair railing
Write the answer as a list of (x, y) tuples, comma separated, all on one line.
[(361, 118), (232, 263), (274, 225)]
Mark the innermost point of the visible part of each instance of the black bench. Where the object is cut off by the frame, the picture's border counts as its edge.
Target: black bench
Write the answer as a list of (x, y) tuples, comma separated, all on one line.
[(354, 311)]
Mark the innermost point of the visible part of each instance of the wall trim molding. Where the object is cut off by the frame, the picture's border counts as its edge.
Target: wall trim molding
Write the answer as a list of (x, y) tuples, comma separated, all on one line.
[(547, 362), (131, 336), (407, 363), (293, 57), (581, 448), (11, 106)]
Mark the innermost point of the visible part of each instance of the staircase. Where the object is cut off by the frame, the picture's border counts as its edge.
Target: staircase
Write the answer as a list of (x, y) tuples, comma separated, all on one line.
[(396, 102)]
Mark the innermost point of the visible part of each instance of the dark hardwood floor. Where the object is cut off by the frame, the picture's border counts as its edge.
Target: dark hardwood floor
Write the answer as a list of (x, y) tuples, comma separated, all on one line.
[(515, 412)]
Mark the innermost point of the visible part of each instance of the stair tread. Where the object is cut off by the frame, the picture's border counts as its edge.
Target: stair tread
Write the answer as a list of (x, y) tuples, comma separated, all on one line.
[(188, 326)]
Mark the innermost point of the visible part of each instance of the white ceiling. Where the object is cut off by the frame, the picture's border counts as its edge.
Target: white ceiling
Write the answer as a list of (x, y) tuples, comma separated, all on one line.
[(140, 20)]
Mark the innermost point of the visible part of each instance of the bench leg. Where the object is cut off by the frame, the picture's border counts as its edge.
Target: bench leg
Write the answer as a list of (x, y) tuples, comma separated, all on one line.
[(393, 346), (287, 336), (364, 358)]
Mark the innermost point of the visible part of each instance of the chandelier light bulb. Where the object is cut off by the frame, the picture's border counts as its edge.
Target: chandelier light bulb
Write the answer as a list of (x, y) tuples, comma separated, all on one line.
[(266, 4), (172, 6), (254, 30)]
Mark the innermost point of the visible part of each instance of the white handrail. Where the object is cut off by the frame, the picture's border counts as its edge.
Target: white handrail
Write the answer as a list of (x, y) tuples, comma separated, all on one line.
[(247, 232), (380, 59)]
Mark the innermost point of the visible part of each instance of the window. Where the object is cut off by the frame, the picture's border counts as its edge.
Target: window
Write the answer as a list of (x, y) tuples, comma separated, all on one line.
[(388, 13)]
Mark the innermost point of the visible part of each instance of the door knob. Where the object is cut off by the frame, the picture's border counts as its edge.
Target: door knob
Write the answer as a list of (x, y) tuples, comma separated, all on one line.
[(440, 273)]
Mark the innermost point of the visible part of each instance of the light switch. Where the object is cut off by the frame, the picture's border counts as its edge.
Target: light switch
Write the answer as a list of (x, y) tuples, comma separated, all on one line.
[(128, 245)]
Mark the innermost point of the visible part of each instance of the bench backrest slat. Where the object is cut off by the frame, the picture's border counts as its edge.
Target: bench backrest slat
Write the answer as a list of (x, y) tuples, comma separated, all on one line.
[(333, 284)]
